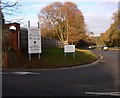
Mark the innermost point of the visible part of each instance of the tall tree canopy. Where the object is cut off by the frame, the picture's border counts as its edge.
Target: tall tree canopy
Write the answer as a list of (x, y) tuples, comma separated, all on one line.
[(112, 35), (63, 21)]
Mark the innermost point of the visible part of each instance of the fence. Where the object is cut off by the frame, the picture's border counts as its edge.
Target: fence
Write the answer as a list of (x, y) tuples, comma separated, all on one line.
[(51, 43), (45, 42), (24, 39)]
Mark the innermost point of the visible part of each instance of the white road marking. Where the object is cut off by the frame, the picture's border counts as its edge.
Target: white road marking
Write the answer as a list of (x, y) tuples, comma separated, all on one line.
[(104, 93), (19, 73), (24, 73)]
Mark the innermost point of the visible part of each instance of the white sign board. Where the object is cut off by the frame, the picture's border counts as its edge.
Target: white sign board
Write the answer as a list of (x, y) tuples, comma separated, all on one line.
[(69, 48), (34, 40)]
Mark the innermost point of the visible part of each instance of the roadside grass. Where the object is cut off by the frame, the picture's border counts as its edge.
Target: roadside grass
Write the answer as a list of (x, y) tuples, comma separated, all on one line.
[(54, 58), (114, 48)]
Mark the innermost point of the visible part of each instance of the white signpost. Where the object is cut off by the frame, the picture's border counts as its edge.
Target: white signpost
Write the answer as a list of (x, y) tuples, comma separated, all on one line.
[(69, 49), (34, 41)]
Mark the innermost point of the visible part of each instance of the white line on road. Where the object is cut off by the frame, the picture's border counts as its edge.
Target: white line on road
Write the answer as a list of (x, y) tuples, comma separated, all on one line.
[(104, 93), (25, 73), (20, 73)]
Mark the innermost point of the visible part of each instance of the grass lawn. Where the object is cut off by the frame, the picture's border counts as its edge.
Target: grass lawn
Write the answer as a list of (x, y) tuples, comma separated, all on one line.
[(54, 58), (114, 48)]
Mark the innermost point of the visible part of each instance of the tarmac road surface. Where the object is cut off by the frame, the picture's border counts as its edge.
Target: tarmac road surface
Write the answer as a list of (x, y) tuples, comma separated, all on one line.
[(100, 77)]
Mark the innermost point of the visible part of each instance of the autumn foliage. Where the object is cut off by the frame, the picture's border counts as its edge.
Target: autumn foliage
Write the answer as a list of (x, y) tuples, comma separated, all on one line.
[(111, 37), (63, 21)]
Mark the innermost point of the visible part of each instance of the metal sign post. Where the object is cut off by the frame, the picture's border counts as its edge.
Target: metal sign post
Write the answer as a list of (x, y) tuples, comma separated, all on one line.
[(29, 57), (40, 31), (64, 54), (28, 45), (73, 55)]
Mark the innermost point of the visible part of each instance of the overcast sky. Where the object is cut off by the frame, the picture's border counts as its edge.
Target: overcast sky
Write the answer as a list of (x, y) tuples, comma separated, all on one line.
[(97, 13)]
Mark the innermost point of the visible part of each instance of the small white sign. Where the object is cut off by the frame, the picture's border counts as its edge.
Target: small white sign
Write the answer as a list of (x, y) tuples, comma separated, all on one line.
[(34, 40), (69, 48)]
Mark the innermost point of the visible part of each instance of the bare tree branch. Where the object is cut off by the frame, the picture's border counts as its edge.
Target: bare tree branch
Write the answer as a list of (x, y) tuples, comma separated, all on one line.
[(8, 4), (8, 7)]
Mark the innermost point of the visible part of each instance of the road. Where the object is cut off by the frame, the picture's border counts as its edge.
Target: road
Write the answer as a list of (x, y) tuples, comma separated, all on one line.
[(79, 81)]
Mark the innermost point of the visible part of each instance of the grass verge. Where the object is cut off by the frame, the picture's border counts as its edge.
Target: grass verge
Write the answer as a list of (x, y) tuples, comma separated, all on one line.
[(54, 58)]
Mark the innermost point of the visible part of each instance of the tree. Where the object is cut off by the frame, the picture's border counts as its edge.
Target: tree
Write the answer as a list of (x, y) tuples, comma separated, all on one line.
[(9, 7), (111, 36), (64, 20)]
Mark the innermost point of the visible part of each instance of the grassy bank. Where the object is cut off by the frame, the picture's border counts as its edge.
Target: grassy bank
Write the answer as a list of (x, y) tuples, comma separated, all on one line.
[(114, 48), (54, 58)]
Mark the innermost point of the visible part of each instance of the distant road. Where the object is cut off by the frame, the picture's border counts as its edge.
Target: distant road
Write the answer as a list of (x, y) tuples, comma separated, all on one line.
[(100, 77)]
